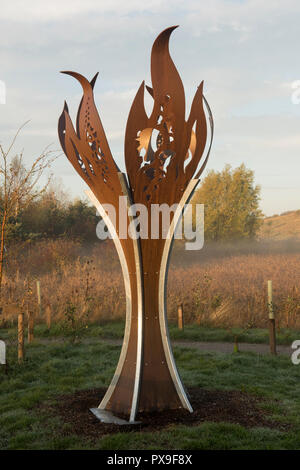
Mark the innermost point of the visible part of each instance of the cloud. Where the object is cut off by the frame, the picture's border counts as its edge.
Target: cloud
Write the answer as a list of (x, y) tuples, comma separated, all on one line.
[(37, 11), (245, 50)]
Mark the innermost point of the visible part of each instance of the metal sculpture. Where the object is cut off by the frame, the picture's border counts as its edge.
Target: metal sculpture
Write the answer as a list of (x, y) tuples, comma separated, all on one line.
[(158, 171)]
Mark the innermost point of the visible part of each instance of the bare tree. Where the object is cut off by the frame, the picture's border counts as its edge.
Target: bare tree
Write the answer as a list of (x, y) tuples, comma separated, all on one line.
[(19, 186)]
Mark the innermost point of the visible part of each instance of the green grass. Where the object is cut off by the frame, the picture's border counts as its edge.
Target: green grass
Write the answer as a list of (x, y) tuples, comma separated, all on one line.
[(115, 330), (58, 368), (212, 436), (253, 335)]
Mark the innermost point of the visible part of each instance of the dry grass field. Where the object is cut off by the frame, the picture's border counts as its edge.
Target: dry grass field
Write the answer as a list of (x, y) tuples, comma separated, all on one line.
[(280, 227), (218, 286), (242, 400)]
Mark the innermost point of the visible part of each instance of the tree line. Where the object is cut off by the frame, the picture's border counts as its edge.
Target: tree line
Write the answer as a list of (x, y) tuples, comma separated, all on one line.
[(29, 211), (230, 198), (49, 217), (231, 204)]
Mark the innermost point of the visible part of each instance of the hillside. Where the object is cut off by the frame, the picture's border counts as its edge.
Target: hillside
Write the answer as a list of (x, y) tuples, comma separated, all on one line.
[(281, 227)]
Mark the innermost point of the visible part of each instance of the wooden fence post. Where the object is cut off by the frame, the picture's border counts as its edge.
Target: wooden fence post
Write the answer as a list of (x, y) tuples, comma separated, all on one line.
[(272, 326), (21, 338), (30, 326), (3, 355), (180, 317), (38, 293), (48, 316)]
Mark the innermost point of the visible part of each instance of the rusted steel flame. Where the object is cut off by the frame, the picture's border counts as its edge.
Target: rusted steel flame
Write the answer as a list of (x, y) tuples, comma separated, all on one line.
[(160, 151), (172, 156), (162, 154)]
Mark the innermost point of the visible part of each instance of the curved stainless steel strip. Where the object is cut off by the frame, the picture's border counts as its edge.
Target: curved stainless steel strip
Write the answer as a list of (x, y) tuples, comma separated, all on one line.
[(163, 274), (211, 123), (125, 272), (139, 283)]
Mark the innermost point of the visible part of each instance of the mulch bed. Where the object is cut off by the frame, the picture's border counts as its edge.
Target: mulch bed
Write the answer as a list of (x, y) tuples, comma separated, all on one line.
[(209, 405)]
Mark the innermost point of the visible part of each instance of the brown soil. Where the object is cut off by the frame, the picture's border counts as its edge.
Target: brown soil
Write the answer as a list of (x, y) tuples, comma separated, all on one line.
[(209, 405)]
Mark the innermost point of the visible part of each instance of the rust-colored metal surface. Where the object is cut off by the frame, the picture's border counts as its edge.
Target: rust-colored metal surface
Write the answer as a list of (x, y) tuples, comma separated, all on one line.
[(162, 155)]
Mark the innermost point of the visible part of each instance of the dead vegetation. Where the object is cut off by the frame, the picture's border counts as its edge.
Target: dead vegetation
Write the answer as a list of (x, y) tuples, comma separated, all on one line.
[(217, 288)]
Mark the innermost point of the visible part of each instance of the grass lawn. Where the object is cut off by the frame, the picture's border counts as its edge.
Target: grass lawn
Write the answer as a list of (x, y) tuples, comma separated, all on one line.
[(115, 330), (57, 368)]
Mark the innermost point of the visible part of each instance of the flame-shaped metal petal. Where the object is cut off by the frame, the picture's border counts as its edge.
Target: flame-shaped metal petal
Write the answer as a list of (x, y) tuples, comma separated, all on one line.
[(136, 121), (87, 148), (167, 84), (197, 115), (164, 148)]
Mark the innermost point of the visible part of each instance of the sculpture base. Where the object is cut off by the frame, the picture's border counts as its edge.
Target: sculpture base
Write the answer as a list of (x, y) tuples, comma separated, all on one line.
[(107, 417)]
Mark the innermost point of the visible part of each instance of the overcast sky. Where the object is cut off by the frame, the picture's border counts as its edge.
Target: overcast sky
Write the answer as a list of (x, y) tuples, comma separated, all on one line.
[(247, 53)]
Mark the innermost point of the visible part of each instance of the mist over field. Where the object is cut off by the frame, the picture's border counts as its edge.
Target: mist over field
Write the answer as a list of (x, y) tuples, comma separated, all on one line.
[(224, 284)]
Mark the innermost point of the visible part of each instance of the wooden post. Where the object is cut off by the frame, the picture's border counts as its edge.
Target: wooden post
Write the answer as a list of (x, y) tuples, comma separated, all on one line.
[(38, 292), (236, 345), (48, 316), (3, 355), (272, 326), (20, 337), (30, 326), (180, 317)]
